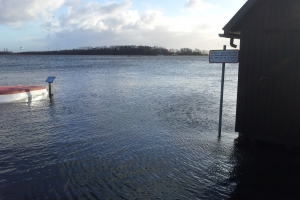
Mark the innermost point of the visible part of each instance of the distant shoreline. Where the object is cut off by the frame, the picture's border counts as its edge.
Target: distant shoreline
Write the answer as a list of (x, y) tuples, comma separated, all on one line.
[(130, 50), (45, 54)]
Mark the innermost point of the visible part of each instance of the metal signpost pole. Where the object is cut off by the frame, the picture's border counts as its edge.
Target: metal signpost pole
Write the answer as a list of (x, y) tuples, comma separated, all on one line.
[(223, 56), (222, 91)]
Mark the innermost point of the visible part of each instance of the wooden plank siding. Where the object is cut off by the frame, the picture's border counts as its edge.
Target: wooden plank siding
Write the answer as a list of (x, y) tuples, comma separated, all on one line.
[(286, 77), (291, 124), (242, 80), (268, 101), (249, 102), (286, 97), (270, 96), (277, 68), (263, 79), (256, 68), (296, 86)]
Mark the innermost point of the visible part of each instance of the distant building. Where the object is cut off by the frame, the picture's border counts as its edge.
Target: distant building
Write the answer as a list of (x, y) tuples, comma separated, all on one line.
[(268, 99)]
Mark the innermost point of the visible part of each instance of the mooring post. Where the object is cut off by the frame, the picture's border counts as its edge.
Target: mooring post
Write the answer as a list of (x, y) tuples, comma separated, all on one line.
[(50, 80), (221, 98), (51, 90)]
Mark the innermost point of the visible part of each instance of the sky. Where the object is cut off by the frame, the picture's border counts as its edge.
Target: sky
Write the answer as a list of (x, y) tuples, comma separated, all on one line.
[(39, 25)]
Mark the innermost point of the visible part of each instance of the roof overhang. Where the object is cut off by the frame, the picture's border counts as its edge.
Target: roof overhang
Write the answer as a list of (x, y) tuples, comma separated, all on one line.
[(231, 35), (231, 30)]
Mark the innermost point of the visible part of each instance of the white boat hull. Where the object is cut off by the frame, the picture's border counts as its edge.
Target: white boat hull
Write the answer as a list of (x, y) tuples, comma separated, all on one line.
[(23, 94)]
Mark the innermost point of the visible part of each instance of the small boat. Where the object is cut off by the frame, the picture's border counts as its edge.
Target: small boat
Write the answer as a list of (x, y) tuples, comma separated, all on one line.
[(19, 92)]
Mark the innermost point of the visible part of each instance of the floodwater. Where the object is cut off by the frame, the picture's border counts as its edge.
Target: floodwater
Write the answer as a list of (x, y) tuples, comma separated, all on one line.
[(141, 127)]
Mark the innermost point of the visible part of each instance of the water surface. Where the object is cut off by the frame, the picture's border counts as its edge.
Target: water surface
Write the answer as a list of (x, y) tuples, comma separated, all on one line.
[(120, 128)]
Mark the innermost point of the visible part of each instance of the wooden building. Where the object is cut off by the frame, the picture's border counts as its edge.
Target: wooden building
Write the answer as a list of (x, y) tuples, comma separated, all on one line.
[(268, 99)]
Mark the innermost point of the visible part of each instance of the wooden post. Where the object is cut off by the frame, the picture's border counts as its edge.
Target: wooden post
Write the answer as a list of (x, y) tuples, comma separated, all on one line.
[(50, 80), (51, 90)]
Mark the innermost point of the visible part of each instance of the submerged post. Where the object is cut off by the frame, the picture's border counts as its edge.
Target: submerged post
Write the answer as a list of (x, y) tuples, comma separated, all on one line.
[(223, 56), (50, 80), (221, 98)]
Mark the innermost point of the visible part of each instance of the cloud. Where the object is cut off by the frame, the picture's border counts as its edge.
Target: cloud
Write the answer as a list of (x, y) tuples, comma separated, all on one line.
[(15, 12), (95, 24), (197, 5), (81, 23), (95, 16), (160, 36), (119, 17), (71, 2)]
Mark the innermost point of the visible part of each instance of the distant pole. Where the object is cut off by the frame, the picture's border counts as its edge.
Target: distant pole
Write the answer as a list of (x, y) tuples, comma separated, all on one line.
[(221, 98)]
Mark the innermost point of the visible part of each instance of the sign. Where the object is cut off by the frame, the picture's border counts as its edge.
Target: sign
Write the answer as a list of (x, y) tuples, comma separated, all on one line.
[(50, 79), (224, 56)]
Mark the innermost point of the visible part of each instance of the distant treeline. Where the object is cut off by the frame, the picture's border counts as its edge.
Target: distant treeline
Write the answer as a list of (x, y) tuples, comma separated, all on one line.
[(8, 52), (5, 51), (120, 50)]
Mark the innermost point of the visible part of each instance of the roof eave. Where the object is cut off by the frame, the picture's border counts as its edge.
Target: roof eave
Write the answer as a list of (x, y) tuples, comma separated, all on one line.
[(230, 35), (228, 28)]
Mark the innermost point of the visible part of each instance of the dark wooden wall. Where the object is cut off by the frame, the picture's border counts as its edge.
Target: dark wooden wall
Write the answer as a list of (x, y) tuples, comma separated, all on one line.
[(268, 100)]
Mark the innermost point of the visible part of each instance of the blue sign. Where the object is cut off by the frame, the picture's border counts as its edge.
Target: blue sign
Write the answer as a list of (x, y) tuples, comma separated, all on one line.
[(50, 79)]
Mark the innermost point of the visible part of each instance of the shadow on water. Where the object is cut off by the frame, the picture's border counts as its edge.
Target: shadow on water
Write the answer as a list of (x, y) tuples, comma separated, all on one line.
[(262, 171)]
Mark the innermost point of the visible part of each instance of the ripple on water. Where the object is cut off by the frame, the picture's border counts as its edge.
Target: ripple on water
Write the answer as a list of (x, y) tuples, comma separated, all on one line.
[(128, 128)]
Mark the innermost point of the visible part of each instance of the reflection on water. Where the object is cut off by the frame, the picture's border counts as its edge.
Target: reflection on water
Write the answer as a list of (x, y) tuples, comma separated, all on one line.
[(125, 128), (262, 172)]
